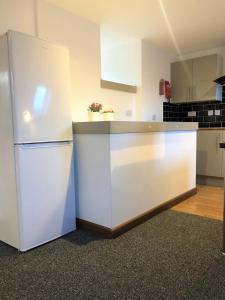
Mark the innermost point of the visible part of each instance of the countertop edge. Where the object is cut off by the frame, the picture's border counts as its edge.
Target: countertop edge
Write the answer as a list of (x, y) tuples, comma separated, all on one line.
[(122, 127), (211, 128)]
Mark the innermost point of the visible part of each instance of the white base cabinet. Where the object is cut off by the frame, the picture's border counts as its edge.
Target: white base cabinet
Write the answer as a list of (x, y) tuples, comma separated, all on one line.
[(210, 158)]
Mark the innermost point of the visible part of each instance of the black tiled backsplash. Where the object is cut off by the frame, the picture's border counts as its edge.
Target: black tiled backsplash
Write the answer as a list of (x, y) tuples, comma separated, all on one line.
[(179, 112)]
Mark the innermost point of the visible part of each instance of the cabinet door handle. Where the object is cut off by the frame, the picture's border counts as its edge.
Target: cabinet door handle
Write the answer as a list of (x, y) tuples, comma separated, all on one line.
[(217, 143), (194, 93)]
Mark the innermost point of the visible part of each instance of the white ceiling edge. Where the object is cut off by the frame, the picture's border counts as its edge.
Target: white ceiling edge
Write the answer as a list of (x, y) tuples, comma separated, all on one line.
[(186, 26)]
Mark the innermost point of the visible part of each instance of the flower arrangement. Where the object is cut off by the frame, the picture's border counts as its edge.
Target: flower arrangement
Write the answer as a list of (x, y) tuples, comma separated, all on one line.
[(95, 114), (95, 107)]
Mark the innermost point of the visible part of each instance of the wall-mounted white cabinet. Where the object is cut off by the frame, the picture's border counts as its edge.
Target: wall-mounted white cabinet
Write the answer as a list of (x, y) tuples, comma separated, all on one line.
[(192, 79)]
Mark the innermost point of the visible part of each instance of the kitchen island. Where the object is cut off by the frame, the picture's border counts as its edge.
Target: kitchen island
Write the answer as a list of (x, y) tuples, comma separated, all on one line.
[(129, 171)]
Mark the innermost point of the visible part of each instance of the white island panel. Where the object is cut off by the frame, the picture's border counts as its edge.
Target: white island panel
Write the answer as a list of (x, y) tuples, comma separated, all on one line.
[(148, 169), (93, 176)]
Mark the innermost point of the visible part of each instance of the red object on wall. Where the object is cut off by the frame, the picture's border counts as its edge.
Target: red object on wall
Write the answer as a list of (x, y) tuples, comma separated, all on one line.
[(167, 90), (161, 87)]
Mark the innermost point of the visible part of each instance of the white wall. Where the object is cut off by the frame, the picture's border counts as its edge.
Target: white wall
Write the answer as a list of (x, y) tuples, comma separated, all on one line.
[(82, 37), (139, 62), (17, 15), (121, 61), (123, 103), (155, 65), (144, 68), (142, 64)]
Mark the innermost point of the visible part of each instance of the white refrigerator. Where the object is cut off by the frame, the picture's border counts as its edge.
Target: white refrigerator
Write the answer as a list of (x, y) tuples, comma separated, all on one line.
[(37, 200)]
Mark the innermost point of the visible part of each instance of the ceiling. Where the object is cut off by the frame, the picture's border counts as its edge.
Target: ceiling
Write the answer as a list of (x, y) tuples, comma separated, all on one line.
[(184, 25)]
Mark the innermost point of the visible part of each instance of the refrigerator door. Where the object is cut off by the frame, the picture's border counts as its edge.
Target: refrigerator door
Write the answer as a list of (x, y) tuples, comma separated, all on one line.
[(46, 192), (40, 90)]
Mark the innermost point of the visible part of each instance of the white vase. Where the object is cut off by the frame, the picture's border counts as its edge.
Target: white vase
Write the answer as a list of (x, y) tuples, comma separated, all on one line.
[(94, 116), (108, 116)]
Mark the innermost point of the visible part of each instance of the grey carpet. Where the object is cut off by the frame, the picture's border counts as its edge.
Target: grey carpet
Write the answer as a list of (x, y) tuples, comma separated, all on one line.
[(172, 256)]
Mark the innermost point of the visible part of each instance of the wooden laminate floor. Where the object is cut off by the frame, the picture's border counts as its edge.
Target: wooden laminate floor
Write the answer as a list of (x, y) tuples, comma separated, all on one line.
[(208, 202)]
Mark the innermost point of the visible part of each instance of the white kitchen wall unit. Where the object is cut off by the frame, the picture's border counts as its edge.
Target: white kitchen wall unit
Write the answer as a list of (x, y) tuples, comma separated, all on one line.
[(192, 79)]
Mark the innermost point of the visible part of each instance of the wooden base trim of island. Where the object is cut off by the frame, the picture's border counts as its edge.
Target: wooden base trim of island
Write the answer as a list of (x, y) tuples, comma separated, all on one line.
[(120, 229)]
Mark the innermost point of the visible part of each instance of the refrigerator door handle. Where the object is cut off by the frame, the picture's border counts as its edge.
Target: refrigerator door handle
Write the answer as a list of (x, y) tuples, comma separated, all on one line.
[(44, 145)]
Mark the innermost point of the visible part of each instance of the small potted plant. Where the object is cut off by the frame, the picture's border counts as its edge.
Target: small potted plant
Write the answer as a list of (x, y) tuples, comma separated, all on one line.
[(108, 115), (94, 111)]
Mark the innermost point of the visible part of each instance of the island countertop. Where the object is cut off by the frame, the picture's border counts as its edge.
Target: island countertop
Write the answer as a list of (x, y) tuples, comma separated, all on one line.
[(116, 127)]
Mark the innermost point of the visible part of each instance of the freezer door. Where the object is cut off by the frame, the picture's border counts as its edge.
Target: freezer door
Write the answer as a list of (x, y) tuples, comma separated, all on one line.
[(40, 90), (46, 192)]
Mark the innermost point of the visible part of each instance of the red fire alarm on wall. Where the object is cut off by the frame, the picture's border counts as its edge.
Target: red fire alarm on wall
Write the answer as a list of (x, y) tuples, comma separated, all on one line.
[(164, 88), (167, 90)]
